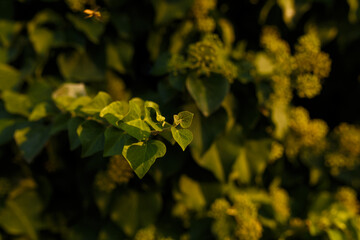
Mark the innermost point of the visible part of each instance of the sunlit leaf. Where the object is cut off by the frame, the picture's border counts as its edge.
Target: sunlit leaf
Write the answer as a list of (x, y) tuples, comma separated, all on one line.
[(182, 136), (100, 101), (184, 119), (17, 103), (142, 155)]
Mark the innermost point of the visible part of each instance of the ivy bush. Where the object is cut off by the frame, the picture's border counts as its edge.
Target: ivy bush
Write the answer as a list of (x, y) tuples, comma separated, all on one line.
[(179, 119)]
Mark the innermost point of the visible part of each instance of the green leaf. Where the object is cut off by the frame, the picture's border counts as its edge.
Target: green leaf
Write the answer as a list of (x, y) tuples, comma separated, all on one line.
[(101, 100), (115, 111), (119, 55), (184, 119), (10, 77), (142, 155), (81, 66), (211, 160), (206, 130), (60, 123), (251, 160), (241, 168), (167, 11), (153, 116), (136, 110), (182, 136), (102, 200), (191, 194), (42, 110), (91, 135), (335, 234), (257, 153), (144, 209), (136, 128), (8, 31), (73, 124), (76, 104), (161, 65), (115, 141), (21, 215), (31, 140), (8, 127), (208, 92), (42, 37), (17, 103), (92, 29), (279, 116)]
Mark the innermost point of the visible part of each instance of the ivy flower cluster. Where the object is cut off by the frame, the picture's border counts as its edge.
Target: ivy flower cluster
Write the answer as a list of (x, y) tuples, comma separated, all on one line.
[(238, 220), (209, 56), (307, 132), (118, 172), (345, 153)]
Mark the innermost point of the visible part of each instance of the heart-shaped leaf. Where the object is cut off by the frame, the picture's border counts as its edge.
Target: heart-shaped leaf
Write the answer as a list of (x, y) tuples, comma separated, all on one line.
[(142, 155)]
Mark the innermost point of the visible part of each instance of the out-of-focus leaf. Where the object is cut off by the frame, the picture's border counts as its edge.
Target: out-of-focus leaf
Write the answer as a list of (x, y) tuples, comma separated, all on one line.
[(70, 96), (102, 200), (119, 55), (22, 215), (353, 10), (208, 92), (39, 92), (161, 65), (42, 110), (241, 168), (144, 209), (91, 136), (206, 130), (257, 153), (81, 67), (92, 29), (279, 116), (142, 155), (42, 37), (122, 24), (8, 30), (211, 160), (190, 194), (167, 11), (8, 127), (17, 103), (10, 77), (31, 140)]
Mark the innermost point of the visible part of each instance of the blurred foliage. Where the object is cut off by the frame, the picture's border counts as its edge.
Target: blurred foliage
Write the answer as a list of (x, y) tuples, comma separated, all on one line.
[(261, 98)]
